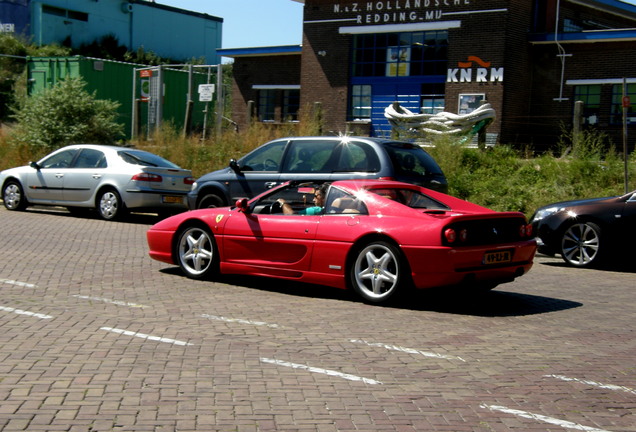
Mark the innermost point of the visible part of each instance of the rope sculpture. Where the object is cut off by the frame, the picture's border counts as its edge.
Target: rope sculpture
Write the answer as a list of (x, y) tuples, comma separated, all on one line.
[(443, 123)]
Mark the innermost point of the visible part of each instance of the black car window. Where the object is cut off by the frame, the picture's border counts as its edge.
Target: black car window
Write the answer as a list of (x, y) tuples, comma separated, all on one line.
[(308, 156), (143, 158), (410, 198), (90, 158), (357, 157), (59, 160), (410, 159), (265, 158)]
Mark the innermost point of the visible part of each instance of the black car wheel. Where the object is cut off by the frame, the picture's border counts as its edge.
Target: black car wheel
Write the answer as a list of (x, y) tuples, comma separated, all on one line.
[(211, 201), (378, 272), (196, 252), (581, 244), (13, 196)]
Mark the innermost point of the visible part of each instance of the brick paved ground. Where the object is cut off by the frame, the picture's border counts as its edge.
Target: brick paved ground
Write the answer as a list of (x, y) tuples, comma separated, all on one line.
[(95, 336)]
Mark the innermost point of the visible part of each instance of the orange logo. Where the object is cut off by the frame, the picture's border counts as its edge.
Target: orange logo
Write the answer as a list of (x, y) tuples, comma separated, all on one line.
[(470, 61)]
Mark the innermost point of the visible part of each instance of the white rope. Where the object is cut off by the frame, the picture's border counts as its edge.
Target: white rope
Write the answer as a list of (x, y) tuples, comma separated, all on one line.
[(441, 123)]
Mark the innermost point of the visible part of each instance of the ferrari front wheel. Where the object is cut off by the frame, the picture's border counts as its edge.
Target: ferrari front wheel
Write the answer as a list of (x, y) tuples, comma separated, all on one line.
[(378, 272), (196, 252)]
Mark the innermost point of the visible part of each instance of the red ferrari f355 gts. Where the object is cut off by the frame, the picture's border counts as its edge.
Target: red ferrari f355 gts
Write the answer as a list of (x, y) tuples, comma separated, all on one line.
[(377, 237)]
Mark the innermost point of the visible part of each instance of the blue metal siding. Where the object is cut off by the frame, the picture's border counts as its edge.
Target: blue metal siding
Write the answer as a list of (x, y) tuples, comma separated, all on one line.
[(166, 31)]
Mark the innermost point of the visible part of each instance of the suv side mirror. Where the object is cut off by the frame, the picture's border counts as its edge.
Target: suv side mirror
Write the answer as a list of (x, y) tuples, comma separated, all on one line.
[(241, 205), (34, 165), (235, 166)]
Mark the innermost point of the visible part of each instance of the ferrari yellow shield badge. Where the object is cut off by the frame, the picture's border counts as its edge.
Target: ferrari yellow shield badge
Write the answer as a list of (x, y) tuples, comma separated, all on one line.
[(219, 218)]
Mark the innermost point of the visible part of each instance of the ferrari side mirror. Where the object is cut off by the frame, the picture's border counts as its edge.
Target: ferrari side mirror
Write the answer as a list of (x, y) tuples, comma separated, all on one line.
[(241, 205)]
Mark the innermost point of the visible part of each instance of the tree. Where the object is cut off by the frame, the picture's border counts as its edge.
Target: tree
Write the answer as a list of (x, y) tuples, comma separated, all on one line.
[(66, 114)]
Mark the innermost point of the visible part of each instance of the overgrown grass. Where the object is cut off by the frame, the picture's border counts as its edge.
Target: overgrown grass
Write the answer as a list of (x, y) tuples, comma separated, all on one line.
[(500, 178)]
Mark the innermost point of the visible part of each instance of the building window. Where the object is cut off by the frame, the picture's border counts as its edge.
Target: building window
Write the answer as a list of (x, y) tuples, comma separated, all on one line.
[(360, 102), (291, 105), (433, 99), (400, 54), (65, 13), (617, 104), (590, 95), (267, 105)]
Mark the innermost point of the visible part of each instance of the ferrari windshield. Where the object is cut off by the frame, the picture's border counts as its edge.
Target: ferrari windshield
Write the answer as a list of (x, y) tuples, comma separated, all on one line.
[(411, 198)]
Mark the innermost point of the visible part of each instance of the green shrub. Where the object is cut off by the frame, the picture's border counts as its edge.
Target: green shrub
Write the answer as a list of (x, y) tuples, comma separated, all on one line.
[(66, 114)]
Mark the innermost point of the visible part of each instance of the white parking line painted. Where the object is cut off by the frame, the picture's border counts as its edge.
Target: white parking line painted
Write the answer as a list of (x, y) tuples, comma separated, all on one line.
[(17, 283), (320, 371), (115, 302), (238, 320), (23, 312), (406, 350), (593, 383), (145, 336), (562, 423)]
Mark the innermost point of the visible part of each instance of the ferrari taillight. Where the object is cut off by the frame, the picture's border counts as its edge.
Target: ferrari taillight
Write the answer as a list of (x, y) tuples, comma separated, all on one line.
[(525, 230), (453, 235), (147, 177), (450, 235)]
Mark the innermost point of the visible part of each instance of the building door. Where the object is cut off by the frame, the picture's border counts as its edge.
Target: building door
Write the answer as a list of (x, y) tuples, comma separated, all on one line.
[(383, 95)]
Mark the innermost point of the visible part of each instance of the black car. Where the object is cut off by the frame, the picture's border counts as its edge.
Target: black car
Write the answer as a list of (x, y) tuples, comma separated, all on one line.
[(316, 159), (587, 232)]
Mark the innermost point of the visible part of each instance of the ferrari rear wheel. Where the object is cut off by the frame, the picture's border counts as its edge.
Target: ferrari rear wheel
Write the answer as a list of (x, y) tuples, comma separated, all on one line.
[(196, 252), (378, 272), (581, 244)]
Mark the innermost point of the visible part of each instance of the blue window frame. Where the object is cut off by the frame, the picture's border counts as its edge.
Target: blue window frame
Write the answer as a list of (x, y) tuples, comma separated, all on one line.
[(400, 54)]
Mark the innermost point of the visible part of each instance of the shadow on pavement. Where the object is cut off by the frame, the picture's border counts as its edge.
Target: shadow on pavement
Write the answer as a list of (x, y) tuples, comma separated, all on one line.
[(497, 303), (621, 264)]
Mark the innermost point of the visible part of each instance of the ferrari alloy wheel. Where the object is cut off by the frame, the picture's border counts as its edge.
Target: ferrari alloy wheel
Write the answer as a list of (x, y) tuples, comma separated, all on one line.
[(110, 205), (196, 252), (13, 196), (580, 244), (377, 272)]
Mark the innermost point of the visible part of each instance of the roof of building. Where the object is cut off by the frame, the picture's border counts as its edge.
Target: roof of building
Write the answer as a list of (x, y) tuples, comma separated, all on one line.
[(261, 51), (152, 4)]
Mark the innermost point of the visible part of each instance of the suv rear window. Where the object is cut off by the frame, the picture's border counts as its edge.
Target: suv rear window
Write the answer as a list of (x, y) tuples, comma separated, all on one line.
[(410, 159)]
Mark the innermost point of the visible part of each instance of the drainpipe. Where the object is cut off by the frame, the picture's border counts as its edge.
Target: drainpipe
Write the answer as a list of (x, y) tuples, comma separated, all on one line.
[(561, 54)]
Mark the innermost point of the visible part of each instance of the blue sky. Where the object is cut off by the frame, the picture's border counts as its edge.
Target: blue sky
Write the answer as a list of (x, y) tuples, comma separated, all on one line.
[(252, 23)]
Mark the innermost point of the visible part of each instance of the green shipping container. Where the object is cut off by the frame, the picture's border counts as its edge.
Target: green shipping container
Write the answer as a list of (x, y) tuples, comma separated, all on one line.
[(114, 80)]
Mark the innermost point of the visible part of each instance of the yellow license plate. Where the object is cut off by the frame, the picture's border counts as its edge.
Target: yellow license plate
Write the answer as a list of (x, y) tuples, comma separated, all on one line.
[(172, 199), (497, 257)]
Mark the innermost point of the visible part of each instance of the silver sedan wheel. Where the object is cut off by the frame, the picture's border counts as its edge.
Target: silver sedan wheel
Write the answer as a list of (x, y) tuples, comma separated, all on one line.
[(580, 244), (196, 252), (376, 272), (109, 205), (12, 197)]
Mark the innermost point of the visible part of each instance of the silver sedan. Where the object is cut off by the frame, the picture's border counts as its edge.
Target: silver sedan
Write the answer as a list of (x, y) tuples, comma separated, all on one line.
[(112, 180)]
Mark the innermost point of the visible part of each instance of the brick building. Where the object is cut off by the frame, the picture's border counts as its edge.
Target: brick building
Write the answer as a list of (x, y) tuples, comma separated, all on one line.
[(531, 60)]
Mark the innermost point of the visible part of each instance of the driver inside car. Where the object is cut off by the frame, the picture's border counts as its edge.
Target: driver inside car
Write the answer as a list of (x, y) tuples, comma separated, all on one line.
[(317, 209)]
